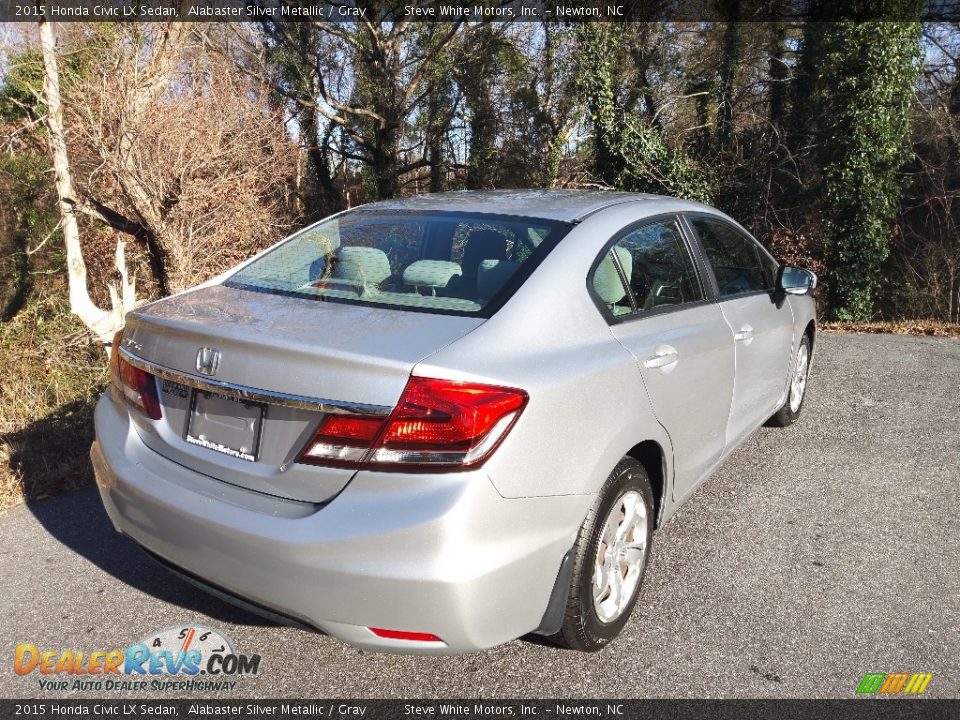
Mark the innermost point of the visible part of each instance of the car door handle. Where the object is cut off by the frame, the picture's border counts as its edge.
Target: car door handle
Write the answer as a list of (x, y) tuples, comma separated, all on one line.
[(664, 359), (745, 335)]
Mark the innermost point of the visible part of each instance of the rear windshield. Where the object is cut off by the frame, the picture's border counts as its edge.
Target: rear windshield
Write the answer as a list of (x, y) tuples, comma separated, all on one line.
[(445, 262)]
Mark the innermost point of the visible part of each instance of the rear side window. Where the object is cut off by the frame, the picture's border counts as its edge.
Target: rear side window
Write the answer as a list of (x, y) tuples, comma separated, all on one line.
[(647, 269), (739, 264), (434, 262)]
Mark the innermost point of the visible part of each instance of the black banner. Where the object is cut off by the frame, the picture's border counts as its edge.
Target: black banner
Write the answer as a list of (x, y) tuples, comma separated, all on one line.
[(854, 709), (474, 10)]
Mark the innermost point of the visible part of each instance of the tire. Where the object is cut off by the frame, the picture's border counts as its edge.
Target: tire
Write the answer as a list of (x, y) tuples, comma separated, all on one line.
[(788, 414), (588, 625)]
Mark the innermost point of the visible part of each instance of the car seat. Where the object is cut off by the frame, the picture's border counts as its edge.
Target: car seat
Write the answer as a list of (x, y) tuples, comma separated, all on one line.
[(480, 245), (365, 268), (607, 281), (492, 275), (431, 274)]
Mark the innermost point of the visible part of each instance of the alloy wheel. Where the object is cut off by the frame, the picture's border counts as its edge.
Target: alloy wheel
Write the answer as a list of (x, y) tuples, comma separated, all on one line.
[(799, 383), (621, 554)]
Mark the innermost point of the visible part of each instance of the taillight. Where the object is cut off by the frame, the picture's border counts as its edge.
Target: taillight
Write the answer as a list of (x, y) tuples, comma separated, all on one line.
[(437, 424), (342, 440), (136, 386)]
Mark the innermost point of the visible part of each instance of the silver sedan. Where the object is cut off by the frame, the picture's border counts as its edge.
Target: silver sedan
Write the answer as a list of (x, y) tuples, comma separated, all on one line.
[(437, 424)]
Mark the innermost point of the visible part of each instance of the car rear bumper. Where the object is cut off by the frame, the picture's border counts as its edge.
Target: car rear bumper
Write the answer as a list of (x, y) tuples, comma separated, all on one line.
[(441, 553)]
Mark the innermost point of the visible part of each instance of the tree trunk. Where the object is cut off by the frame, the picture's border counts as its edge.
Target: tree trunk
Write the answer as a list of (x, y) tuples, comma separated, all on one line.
[(953, 105), (435, 158), (384, 162), (595, 83), (779, 76), (434, 139), (649, 105), (103, 323), (865, 88), (802, 124), (554, 157), (728, 70), (481, 161), (323, 199)]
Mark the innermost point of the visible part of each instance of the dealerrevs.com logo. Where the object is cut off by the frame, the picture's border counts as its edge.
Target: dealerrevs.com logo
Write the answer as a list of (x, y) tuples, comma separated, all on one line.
[(173, 659)]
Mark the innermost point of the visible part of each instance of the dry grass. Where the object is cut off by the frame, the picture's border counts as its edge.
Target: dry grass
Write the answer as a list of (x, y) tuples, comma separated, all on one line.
[(50, 377), (903, 327)]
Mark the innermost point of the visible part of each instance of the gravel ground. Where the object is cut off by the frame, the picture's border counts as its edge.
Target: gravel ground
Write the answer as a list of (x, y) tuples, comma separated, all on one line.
[(816, 554)]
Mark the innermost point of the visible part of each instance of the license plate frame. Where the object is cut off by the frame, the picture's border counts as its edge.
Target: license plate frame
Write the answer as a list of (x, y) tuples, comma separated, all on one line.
[(214, 422)]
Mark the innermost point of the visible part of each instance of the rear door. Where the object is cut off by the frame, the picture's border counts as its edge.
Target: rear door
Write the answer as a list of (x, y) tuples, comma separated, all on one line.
[(762, 324), (650, 289)]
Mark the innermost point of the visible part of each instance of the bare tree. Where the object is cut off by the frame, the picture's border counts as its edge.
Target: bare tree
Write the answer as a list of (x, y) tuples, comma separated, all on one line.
[(368, 80), (176, 148), (103, 323)]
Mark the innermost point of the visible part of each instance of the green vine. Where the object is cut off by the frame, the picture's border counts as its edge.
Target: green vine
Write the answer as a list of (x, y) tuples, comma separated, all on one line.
[(630, 153), (865, 82)]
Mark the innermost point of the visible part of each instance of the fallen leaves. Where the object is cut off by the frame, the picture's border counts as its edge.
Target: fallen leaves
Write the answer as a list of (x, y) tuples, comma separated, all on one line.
[(933, 328)]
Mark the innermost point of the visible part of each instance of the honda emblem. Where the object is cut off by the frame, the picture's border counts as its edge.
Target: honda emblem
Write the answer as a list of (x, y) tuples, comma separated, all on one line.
[(208, 360)]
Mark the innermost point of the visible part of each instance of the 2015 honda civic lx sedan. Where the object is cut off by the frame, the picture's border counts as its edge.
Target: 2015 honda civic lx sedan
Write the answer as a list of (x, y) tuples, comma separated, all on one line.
[(440, 423)]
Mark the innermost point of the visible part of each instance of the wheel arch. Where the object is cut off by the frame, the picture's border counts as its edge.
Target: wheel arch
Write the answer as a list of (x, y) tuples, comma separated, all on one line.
[(650, 454), (811, 332)]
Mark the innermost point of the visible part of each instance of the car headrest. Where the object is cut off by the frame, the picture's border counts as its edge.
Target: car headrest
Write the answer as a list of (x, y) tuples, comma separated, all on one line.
[(431, 273), (492, 275), (606, 280), (363, 265), (481, 245)]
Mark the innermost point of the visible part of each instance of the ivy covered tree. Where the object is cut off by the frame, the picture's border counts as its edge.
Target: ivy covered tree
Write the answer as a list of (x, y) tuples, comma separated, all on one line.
[(630, 152), (478, 71), (294, 79), (866, 79), (27, 212)]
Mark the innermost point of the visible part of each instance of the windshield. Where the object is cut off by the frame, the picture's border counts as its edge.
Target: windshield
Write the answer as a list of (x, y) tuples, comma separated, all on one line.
[(446, 262)]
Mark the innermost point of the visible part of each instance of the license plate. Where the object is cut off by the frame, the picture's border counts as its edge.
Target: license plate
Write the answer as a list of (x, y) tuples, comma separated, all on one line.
[(225, 425)]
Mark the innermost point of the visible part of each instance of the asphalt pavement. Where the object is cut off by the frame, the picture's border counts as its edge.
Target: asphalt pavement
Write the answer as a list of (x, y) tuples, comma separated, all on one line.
[(817, 553)]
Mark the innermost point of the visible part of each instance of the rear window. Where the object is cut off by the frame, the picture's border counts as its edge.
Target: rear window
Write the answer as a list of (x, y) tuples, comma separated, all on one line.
[(446, 262)]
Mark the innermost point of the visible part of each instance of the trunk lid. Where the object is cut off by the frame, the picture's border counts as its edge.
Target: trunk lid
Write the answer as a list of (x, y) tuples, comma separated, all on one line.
[(286, 347)]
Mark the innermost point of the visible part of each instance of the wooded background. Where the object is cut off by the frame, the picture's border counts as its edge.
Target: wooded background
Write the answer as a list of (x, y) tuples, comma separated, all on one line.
[(837, 144), (191, 146)]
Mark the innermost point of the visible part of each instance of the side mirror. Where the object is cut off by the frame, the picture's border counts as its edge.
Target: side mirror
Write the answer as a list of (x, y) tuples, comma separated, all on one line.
[(795, 281)]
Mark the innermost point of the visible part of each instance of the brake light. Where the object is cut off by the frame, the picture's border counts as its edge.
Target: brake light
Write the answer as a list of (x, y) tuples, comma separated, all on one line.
[(437, 424), (136, 386)]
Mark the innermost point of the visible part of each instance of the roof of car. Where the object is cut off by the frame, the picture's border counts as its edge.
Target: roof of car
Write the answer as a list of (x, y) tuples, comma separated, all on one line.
[(564, 205)]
